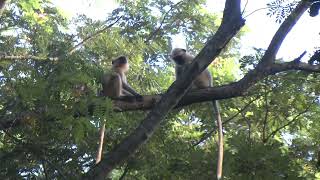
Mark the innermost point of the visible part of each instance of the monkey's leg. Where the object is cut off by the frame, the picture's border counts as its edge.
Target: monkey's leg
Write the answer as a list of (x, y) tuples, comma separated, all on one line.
[(129, 97), (129, 89), (126, 93), (131, 92), (112, 86), (220, 139)]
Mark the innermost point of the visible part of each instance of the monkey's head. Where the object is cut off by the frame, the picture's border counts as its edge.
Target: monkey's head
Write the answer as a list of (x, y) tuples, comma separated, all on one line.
[(179, 56), (120, 64)]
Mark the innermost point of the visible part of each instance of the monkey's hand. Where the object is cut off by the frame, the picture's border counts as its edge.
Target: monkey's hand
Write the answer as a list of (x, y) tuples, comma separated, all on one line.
[(139, 97)]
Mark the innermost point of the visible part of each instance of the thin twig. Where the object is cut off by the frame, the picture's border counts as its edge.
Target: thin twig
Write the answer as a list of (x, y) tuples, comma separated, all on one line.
[(287, 124), (45, 171), (255, 11), (31, 149), (162, 21), (207, 135), (72, 50), (125, 171), (249, 126), (26, 57), (245, 6), (59, 170), (265, 116)]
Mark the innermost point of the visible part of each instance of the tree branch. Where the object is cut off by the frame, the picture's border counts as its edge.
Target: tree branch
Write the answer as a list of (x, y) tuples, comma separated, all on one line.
[(265, 121), (282, 32), (125, 171), (85, 40), (153, 33), (208, 134), (231, 24), (4, 57), (228, 91), (266, 65), (287, 124), (295, 66)]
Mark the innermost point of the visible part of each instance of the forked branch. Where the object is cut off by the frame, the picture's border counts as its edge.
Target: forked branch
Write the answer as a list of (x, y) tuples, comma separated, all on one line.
[(231, 24)]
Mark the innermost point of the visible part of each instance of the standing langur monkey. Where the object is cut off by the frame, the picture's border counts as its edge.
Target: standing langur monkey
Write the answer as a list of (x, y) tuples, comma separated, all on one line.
[(115, 85), (203, 80)]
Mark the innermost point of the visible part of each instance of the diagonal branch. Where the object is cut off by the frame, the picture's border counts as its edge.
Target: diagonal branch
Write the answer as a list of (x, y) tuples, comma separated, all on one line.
[(88, 38), (282, 32), (288, 123), (153, 33), (231, 23), (266, 116), (208, 134), (266, 65)]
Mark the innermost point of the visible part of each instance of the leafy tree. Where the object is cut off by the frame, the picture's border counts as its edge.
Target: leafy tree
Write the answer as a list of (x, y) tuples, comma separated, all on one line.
[(50, 111)]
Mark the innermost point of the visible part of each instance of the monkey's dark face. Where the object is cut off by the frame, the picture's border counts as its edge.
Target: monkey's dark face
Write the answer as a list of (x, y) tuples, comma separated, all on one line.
[(179, 60), (120, 64), (178, 56), (120, 60)]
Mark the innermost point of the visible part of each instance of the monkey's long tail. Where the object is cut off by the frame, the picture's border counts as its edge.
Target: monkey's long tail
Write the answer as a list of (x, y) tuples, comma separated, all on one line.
[(216, 112), (101, 140)]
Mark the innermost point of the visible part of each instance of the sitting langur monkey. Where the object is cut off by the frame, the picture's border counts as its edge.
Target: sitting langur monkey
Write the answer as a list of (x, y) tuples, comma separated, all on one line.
[(115, 84), (181, 58)]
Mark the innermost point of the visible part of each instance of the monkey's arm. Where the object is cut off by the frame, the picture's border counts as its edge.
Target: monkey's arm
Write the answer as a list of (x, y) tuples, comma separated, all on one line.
[(128, 88), (179, 71)]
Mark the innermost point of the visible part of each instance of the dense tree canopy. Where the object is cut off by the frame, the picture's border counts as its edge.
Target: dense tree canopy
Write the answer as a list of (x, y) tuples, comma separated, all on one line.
[(51, 111)]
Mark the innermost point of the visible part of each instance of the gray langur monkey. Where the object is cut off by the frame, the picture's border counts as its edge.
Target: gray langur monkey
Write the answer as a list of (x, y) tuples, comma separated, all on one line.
[(115, 84), (181, 58)]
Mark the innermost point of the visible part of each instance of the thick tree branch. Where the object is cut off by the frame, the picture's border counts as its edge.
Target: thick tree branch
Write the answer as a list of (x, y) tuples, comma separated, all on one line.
[(231, 24), (266, 65), (197, 96), (231, 90), (295, 66), (283, 31)]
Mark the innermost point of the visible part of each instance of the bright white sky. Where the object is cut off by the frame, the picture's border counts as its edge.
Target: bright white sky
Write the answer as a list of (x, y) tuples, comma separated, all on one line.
[(304, 36)]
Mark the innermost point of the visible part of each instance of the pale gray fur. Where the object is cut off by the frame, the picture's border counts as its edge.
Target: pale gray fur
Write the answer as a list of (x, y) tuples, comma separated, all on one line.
[(181, 58), (115, 84)]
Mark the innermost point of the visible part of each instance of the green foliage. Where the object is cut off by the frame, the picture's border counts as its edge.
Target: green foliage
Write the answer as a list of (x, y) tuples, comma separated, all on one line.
[(52, 112), (280, 9)]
